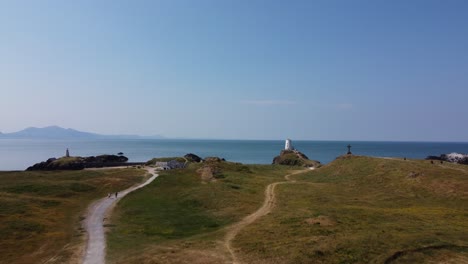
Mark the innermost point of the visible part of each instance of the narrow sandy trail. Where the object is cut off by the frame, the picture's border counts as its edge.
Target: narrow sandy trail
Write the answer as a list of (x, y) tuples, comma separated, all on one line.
[(266, 208), (96, 244)]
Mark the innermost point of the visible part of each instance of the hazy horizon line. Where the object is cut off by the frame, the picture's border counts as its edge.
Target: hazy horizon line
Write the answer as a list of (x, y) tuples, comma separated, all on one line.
[(164, 137)]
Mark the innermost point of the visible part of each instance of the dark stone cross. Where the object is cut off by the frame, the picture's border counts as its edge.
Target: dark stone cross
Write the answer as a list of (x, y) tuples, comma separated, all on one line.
[(349, 150)]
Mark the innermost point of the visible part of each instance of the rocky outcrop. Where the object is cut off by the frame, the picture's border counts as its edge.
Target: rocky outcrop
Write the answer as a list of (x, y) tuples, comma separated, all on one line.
[(104, 159), (209, 173), (452, 157), (294, 158), (70, 163), (214, 159), (193, 158), (79, 163)]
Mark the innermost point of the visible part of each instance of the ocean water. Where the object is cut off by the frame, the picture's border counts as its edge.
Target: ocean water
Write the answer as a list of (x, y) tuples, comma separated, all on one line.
[(18, 154)]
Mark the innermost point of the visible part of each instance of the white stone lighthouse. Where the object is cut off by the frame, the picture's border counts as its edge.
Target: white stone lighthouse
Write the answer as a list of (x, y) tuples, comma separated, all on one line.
[(288, 145)]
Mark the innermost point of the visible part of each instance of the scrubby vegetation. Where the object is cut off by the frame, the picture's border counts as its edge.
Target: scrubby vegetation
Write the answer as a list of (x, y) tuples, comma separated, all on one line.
[(40, 211)]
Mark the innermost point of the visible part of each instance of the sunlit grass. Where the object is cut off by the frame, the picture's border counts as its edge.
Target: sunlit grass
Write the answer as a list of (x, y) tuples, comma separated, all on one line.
[(373, 208), (40, 211), (179, 207), (354, 210)]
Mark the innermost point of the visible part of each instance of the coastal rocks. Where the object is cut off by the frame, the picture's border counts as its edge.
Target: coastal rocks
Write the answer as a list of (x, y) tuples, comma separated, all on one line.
[(51, 160), (193, 158), (452, 157), (105, 159), (212, 169), (69, 163), (79, 163), (294, 158)]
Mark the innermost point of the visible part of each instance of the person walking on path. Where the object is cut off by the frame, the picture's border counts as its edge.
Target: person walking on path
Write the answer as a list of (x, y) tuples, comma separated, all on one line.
[(116, 194), (95, 249)]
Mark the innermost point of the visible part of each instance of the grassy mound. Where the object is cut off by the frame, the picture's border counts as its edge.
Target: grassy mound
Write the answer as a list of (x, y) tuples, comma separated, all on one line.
[(295, 158), (40, 211), (365, 210)]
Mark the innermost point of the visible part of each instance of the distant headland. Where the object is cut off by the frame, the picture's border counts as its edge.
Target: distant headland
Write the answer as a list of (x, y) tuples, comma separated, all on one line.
[(68, 162), (56, 132)]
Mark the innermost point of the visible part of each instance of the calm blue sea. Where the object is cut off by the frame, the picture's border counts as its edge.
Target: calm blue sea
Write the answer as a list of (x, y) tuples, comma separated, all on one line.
[(18, 154)]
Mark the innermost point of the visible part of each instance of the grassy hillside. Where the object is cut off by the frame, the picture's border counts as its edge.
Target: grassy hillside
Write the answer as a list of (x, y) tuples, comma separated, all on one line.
[(40, 211), (181, 215), (354, 210), (365, 210)]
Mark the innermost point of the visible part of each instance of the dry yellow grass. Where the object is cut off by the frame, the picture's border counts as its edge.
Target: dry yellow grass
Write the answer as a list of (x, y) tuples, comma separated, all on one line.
[(354, 210), (376, 211), (40, 211), (181, 218)]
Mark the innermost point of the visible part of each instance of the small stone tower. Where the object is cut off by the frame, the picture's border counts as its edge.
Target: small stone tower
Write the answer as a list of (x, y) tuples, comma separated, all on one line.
[(67, 153), (288, 145)]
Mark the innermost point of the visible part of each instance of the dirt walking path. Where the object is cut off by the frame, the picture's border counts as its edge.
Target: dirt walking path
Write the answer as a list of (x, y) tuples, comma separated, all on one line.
[(96, 244), (266, 208)]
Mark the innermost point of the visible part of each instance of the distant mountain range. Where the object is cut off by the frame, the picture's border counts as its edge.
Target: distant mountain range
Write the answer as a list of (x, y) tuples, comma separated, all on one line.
[(56, 132)]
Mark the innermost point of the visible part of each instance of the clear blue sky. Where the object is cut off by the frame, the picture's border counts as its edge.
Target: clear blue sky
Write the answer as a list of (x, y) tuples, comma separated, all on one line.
[(319, 70)]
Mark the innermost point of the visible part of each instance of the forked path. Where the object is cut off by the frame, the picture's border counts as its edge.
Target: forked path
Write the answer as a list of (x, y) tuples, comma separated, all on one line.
[(96, 244), (267, 206)]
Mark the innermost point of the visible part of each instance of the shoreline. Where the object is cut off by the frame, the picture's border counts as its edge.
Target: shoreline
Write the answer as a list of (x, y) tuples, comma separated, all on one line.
[(19, 155)]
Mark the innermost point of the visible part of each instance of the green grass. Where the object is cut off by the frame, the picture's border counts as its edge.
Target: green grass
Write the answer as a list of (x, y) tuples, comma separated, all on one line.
[(178, 207), (354, 210), (165, 159), (40, 211), (293, 159), (374, 209)]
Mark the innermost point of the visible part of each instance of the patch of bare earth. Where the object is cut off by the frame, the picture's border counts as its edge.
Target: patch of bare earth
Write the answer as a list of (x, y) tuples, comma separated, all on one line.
[(207, 173), (321, 220), (447, 257), (442, 256), (172, 255)]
